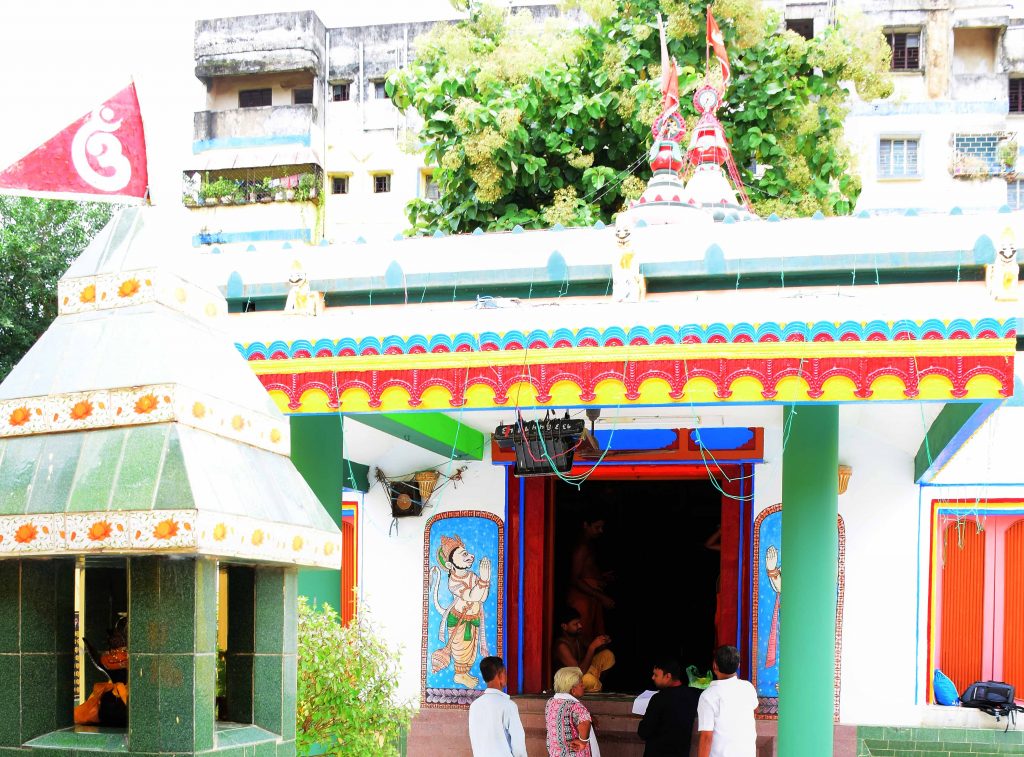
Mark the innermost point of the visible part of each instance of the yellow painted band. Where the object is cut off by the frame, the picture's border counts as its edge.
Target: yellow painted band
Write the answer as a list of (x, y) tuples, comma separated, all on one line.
[(757, 351)]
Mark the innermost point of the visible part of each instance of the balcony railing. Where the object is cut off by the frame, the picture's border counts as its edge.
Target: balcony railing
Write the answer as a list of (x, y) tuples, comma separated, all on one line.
[(983, 155), (270, 122)]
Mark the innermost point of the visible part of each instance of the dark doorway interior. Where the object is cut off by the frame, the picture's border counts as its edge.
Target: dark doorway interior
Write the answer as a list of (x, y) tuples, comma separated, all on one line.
[(665, 577)]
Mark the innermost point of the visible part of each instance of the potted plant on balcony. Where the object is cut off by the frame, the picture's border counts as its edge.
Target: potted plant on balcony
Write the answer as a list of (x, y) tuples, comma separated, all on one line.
[(307, 188), (240, 196), (264, 192)]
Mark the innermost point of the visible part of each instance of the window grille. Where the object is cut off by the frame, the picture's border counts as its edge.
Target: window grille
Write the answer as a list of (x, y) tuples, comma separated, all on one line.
[(339, 185), (897, 157), (431, 191), (302, 96), (255, 98), (906, 50), (976, 154), (1015, 194), (379, 92), (382, 183), (340, 92), (1016, 95)]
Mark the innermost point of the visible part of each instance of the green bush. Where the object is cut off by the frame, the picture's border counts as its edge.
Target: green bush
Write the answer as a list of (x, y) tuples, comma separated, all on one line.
[(348, 687)]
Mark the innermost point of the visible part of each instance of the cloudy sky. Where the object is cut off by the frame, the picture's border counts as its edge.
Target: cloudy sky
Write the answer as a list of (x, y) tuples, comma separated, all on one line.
[(61, 58)]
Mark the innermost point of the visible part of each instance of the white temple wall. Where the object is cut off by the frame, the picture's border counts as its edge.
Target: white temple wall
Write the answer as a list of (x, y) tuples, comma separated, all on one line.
[(391, 581)]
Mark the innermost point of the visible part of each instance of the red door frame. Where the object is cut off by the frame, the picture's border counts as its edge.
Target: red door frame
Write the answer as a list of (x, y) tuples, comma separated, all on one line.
[(529, 597)]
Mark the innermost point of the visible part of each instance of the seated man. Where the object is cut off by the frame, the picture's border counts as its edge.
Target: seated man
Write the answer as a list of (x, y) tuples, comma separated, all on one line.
[(569, 652)]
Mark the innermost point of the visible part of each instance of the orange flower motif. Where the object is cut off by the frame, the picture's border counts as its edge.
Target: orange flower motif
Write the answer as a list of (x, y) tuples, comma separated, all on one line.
[(198, 410), (99, 530), (20, 416), (26, 534), (146, 404), (275, 435), (128, 288), (88, 294), (297, 543), (165, 529), (237, 423), (219, 532), (81, 410), (257, 537)]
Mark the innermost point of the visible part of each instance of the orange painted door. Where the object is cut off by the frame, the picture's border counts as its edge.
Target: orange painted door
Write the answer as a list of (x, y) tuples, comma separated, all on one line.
[(963, 604), (1013, 607)]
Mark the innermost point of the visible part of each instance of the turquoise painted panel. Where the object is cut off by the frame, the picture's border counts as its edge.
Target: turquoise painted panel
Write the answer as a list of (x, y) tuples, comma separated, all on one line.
[(97, 467), (55, 473), (138, 475), (17, 471)]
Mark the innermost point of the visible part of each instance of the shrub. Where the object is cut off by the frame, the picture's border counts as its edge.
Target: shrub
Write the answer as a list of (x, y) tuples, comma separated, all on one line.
[(348, 687)]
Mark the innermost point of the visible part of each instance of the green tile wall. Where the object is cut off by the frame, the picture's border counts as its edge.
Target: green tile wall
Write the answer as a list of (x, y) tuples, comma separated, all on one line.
[(36, 648), (888, 741)]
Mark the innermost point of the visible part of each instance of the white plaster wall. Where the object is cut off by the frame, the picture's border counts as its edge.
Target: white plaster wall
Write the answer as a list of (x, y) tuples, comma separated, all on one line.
[(223, 92), (391, 582), (880, 512)]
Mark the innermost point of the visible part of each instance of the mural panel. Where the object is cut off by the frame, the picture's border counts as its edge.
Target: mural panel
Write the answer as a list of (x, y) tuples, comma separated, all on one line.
[(463, 602), (767, 596)]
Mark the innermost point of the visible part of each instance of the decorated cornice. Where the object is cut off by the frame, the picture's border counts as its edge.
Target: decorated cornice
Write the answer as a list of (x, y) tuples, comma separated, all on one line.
[(168, 531), (616, 336), (134, 406), (127, 288), (743, 363)]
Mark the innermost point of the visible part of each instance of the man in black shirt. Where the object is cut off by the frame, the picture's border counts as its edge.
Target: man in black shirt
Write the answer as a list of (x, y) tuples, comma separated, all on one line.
[(668, 724)]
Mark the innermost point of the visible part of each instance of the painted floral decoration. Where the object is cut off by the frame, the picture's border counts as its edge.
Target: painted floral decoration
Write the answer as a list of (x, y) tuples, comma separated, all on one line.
[(219, 532), (297, 543), (26, 534), (128, 288), (237, 423), (329, 548), (198, 410), (275, 435), (99, 530), (81, 410), (257, 537), (166, 529), (146, 404), (88, 294), (20, 416)]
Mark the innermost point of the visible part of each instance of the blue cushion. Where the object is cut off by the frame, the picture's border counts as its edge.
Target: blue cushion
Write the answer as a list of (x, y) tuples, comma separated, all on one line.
[(945, 690)]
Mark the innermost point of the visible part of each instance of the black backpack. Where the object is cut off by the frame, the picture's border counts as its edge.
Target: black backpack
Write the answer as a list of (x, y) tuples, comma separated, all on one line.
[(993, 697)]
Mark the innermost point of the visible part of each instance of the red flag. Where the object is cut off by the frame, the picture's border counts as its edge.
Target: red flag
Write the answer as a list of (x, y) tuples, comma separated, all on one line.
[(101, 155), (717, 41), (669, 76)]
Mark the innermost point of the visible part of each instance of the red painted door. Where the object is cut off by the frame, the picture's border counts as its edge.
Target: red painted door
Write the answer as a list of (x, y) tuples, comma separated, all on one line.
[(1013, 607), (963, 604)]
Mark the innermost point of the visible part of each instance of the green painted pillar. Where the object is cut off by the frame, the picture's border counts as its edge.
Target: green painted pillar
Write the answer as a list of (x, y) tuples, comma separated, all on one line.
[(317, 454), (810, 553)]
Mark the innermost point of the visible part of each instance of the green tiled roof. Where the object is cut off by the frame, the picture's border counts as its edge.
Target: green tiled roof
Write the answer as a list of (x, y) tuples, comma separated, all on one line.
[(153, 467)]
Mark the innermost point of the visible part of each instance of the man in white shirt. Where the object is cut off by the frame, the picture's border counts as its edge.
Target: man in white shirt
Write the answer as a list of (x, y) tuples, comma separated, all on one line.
[(494, 726), (725, 712)]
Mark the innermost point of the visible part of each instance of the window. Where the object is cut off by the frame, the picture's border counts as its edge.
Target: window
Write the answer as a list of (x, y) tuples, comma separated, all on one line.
[(430, 189), (906, 50), (897, 158), (255, 98), (302, 96), (340, 92), (802, 26), (1017, 95), (1015, 194), (339, 185), (382, 182), (976, 591), (976, 154), (379, 92)]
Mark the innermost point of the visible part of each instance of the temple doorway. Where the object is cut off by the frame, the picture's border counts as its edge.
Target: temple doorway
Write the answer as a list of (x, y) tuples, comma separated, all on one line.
[(660, 549)]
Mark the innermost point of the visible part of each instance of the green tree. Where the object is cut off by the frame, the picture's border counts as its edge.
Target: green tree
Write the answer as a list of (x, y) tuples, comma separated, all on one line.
[(348, 687), (38, 241), (534, 124)]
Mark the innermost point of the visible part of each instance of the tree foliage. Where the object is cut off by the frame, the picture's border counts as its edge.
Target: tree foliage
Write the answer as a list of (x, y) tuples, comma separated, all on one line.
[(38, 241), (348, 687), (535, 123)]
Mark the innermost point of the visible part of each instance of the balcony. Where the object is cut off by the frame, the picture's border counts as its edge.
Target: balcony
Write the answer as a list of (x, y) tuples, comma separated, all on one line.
[(242, 127), (265, 43), (983, 156)]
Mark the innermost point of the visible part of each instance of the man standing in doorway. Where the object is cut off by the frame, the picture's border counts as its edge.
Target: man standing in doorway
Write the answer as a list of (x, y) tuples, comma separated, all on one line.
[(725, 712), (495, 729), (668, 722)]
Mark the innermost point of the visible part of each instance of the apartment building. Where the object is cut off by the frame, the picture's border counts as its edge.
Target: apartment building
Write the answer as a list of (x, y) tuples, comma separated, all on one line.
[(297, 119)]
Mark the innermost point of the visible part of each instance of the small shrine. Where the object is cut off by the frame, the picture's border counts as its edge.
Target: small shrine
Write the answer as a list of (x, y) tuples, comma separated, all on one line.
[(149, 511)]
